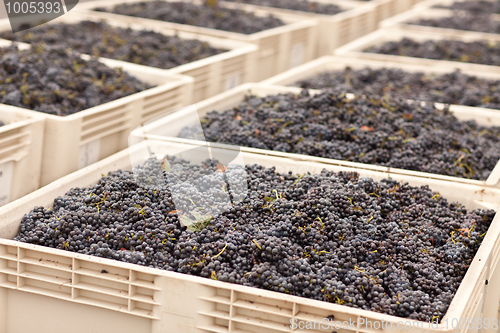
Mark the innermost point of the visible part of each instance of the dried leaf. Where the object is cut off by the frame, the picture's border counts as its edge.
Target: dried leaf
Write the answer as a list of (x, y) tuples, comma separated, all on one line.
[(221, 168)]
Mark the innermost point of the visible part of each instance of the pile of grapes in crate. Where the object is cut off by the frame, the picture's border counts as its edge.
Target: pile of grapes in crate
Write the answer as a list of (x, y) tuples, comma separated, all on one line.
[(478, 52), (333, 237), (366, 129), (99, 39), (364, 184), (56, 80), (451, 88), (478, 16), (299, 5), (207, 16)]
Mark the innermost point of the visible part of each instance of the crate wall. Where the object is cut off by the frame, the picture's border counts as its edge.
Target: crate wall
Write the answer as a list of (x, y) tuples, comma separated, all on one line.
[(21, 147)]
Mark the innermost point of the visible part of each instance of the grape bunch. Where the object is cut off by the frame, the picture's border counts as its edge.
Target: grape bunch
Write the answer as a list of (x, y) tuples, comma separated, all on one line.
[(99, 39), (300, 5), (477, 52), (382, 246), (367, 129), (452, 88), (56, 80), (214, 17)]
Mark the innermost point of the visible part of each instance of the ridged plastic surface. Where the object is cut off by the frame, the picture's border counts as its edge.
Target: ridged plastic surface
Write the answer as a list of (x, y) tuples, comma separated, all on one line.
[(356, 20), (103, 295), (385, 9), (277, 49), (21, 143)]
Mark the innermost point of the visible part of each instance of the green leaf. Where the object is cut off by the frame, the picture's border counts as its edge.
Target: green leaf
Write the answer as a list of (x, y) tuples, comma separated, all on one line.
[(269, 199), (197, 224)]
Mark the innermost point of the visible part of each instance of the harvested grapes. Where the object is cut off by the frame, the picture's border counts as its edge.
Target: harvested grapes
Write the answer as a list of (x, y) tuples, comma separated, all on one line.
[(214, 17), (381, 246), (102, 40), (300, 5), (481, 6), (56, 80), (464, 21), (367, 129), (452, 88), (478, 52)]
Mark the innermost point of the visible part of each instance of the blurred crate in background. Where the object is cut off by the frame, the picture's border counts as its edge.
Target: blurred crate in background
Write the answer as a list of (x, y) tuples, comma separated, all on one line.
[(408, 20), (85, 137), (356, 49), (356, 20), (280, 48), (212, 75), (443, 3)]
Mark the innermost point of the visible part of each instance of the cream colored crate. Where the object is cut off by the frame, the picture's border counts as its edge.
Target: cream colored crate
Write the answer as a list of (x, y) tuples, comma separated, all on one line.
[(75, 141), (385, 9), (21, 144), (211, 75), (416, 2), (168, 128), (280, 48), (357, 19), (59, 288), (339, 63), (355, 49), (405, 20), (432, 3)]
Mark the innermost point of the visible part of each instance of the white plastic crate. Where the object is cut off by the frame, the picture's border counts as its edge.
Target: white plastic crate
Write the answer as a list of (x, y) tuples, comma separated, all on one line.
[(21, 144), (384, 9), (357, 19), (211, 75), (168, 128), (389, 8), (280, 48), (416, 2), (59, 288), (404, 21), (80, 139), (432, 3), (355, 49), (339, 63)]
